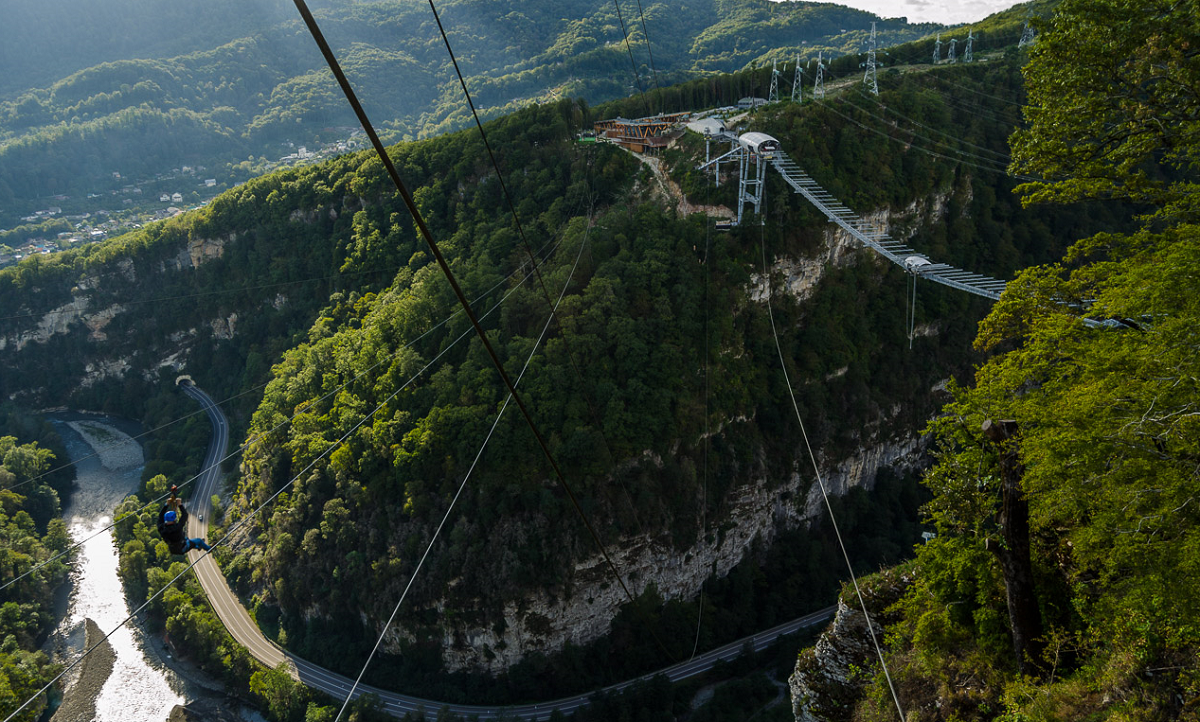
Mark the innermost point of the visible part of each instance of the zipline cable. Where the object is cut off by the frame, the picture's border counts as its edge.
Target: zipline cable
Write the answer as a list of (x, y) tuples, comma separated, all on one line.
[(584, 391), (646, 36), (463, 484), (820, 481), (252, 514), (272, 430), (335, 67)]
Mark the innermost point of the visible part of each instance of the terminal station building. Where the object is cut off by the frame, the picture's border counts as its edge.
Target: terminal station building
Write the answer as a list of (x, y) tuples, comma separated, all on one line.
[(642, 135)]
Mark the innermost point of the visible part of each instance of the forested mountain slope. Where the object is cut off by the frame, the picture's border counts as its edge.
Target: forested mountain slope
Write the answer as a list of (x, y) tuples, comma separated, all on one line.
[(246, 77), (516, 566), (1059, 585), (658, 304)]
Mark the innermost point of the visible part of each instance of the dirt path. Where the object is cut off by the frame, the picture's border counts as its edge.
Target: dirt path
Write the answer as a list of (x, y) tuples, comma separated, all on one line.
[(672, 194)]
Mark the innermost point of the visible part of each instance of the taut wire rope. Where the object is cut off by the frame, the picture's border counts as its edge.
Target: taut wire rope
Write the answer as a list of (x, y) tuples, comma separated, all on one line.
[(256, 437), (352, 98), (463, 484), (258, 509), (820, 480)]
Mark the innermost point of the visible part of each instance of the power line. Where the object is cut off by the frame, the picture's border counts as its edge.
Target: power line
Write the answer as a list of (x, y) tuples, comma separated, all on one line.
[(272, 430), (462, 485), (820, 481), (952, 148), (887, 108), (335, 67), (935, 154)]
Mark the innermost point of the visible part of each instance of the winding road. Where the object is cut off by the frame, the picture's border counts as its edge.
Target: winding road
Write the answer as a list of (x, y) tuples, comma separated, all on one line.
[(243, 629)]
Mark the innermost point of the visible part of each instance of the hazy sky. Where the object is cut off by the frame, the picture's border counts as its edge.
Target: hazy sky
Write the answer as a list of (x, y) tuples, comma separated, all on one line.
[(934, 11)]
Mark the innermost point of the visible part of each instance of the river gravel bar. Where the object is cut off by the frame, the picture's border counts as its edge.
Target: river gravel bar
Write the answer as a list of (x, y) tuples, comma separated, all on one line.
[(117, 450)]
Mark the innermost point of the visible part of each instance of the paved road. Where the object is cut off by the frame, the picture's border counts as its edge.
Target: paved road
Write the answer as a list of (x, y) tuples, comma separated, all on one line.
[(233, 615)]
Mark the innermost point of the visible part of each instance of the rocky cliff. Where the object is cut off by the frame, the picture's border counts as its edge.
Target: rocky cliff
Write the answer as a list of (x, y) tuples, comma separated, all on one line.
[(830, 676)]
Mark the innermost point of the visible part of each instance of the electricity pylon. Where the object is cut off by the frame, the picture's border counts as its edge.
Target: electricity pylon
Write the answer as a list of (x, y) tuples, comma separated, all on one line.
[(869, 77)]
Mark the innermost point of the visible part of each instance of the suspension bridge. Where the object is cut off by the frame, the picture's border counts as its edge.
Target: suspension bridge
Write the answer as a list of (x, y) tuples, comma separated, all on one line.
[(754, 152)]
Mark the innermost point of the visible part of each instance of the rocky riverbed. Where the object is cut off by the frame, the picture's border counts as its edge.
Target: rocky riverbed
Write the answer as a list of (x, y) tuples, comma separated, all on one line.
[(117, 681)]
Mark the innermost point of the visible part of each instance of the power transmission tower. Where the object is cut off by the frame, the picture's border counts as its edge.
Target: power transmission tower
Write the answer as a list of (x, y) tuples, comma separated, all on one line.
[(951, 56), (937, 50), (869, 78), (1026, 36), (773, 96), (797, 92), (967, 57), (819, 82)]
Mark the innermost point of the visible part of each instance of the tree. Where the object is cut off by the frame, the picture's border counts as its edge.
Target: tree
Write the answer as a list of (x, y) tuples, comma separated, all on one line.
[(1102, 419), (1114, 106), (279, 691)]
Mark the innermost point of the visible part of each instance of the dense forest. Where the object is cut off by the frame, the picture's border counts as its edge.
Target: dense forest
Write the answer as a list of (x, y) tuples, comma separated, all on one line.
[(1064, 496), (33, 485), (660, 383), (230, 97), (356, 519)]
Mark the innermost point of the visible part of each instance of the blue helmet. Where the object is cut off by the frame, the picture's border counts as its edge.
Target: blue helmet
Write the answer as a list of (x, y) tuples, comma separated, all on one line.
[(169, 517)]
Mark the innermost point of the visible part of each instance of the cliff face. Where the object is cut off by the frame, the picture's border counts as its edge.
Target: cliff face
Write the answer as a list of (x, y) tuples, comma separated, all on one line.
[(141, 307), (830, 677), (758, 510)]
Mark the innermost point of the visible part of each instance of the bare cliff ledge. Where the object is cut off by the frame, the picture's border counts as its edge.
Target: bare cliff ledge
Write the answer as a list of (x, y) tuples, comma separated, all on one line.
[(759, 510), (830, 676), (542, 622)]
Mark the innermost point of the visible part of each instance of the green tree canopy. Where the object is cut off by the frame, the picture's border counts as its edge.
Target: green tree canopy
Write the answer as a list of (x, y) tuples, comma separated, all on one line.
[(1108, 415), (1114, 106)]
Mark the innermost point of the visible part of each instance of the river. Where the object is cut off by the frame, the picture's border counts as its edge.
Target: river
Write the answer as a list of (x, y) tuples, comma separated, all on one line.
[(140, 688)]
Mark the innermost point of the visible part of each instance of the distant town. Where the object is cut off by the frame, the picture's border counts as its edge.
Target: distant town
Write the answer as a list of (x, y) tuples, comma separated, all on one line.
[(66, 222)]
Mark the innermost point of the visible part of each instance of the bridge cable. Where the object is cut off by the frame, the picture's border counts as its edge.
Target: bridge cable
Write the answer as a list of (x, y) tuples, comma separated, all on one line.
[(253, 439), (912, 323), (242, 521), (335, 67), (704, 475), (820, 481), (463, 484)]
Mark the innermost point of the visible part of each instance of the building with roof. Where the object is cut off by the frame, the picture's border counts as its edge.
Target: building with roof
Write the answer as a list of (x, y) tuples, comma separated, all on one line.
[(642, 135)]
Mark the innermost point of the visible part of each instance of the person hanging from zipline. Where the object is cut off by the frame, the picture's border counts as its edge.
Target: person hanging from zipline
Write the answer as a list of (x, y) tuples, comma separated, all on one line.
[(172, 525)]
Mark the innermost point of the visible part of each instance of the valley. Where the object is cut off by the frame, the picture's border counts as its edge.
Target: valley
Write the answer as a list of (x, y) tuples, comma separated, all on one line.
[(895, 357)]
